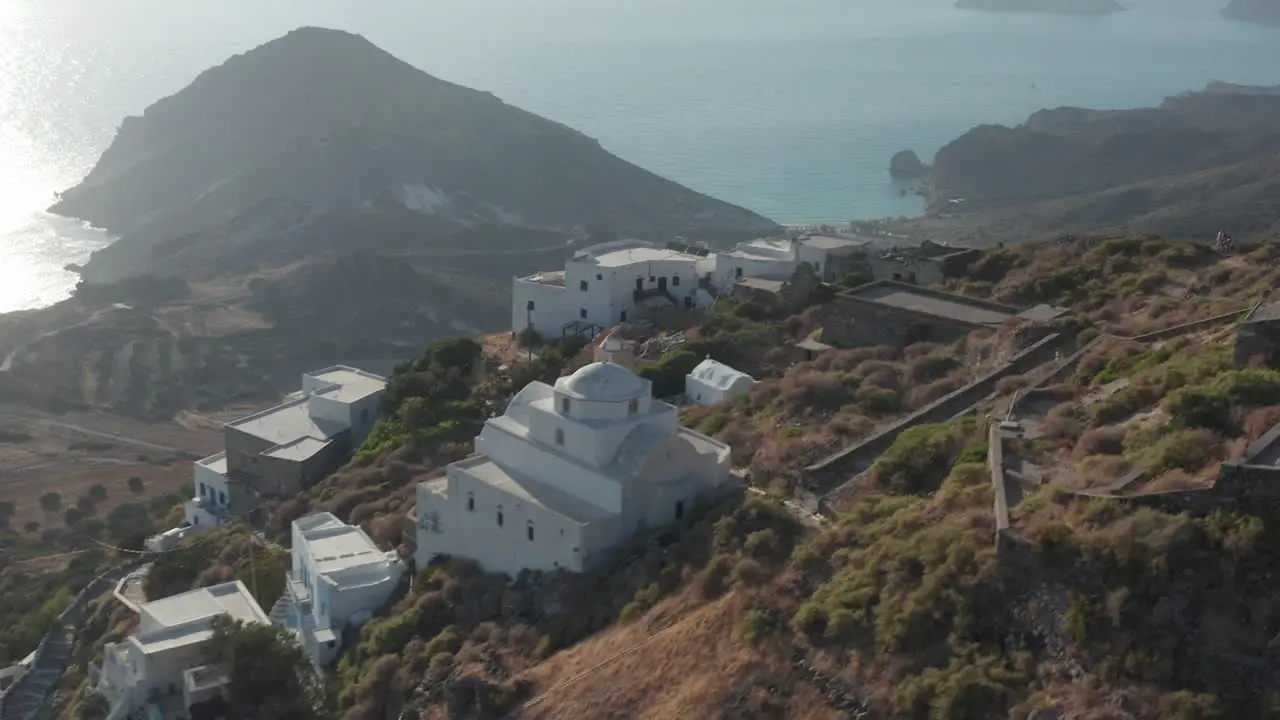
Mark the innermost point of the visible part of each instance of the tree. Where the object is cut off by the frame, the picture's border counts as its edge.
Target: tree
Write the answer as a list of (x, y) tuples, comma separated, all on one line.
[(50, 501), (270, 676), (136, 485), (97, 493)]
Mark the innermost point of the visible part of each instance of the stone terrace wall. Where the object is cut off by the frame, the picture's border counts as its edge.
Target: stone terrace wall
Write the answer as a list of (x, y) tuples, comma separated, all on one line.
[(831, 472), (1192, 326), (995, 466), (854, 321)]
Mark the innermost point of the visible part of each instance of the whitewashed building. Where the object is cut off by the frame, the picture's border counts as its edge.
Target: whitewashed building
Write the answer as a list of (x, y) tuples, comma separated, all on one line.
[(712, 382), (608, 284), (777, 258), (164, 668), (338, 580), (566, 474), (285, 449)]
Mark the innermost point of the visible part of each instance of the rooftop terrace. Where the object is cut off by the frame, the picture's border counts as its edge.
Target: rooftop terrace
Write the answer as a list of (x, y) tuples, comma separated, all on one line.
[(933, 302), (284, 424), (348, 384)]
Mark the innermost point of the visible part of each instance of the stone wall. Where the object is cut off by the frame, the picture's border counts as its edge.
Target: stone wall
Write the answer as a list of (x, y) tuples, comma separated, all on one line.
[(995, 466), (828, 474), (853, 321), (1192, 326)]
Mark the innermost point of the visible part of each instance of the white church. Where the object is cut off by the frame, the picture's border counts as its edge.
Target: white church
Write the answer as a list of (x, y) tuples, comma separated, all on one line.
[(566, 474)]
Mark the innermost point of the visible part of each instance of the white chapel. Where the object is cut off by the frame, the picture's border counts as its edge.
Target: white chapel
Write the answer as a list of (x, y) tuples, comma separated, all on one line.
[(566, 474)]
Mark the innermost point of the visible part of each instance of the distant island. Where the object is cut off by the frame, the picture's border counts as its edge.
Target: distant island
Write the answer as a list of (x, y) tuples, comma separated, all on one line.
[(1053, 7), (1262, 12)]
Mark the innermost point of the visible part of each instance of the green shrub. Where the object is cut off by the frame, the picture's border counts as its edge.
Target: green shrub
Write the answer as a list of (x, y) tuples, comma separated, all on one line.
[(755, 625), (921, 457), (711, 581)]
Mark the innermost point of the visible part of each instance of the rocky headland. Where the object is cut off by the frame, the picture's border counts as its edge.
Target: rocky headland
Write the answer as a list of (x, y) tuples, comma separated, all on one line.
[(1262, 12), (1198, 163), (321, 123)]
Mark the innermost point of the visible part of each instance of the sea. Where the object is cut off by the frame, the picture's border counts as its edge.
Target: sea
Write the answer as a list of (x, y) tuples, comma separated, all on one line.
[(789, 107)]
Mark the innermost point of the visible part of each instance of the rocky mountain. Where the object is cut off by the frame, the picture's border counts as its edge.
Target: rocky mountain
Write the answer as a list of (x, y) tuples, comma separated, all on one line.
[(1263, 12), (323, 123), (1197, 163)]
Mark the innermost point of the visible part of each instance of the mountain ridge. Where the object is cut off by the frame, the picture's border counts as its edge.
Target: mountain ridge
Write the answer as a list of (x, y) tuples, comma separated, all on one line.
[(325, 117)]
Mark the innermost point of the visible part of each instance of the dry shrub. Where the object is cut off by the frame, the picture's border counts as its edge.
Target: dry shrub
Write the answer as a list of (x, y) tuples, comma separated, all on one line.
[(1013, 383), (743, 436), (1259, 421), (851, 424), (1062, 422), (1102, 441), (810, 389), (847, 360), (1173, 480), (884, 378), (1108, 350), (911, 353), (1095, 470), (387, 530), (919, 397)]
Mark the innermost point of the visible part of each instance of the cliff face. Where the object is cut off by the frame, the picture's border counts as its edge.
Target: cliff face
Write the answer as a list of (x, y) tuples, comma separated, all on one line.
[(1263, 12), (1202, 158), (324, 119)]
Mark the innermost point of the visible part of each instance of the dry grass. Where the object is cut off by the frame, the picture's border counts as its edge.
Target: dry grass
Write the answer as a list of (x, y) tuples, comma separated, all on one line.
[(693, 670)]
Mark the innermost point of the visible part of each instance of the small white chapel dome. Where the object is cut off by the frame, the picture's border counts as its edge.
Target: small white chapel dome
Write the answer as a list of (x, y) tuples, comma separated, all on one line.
[(605, 382)]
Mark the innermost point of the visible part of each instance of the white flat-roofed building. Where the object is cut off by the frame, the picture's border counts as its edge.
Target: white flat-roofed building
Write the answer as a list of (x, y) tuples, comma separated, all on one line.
[(338, 580), (285, 449), (605, 285), (566, 474), (712, 382), (166, 663), (777, 258)]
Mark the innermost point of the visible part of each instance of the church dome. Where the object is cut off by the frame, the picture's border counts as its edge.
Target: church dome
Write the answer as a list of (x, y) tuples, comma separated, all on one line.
[(605, 382)]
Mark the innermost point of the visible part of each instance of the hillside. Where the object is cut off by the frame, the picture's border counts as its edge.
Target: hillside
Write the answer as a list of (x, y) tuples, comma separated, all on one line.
[(320, 122), (1262, 12), (1198, 163), (914, 601)]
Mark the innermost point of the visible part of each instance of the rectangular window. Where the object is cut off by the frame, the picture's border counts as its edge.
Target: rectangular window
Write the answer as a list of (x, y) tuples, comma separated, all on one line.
[(675, 280), (679, 509), (560, 435), (583, 285), (564, 405), (499, 518), (582, 313), (599, 276), (471, 502), (633, 406)]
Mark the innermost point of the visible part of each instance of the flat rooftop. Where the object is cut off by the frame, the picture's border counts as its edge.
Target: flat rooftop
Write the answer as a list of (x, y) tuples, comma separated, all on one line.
[(287, 423), (1266, 313), (216, 463), (755, 283), (554, 278), (298, 450), (336, 546), (532, 491), (830, 242), (763, 249), (232, 598), (351, 384), (635, 255), (906, 297)]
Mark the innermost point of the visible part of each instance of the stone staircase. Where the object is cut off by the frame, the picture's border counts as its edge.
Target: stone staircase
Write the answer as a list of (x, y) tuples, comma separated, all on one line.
[(26, 697)]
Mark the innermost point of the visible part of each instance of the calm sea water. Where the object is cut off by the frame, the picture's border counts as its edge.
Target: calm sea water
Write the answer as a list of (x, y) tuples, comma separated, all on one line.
[(790, 108)]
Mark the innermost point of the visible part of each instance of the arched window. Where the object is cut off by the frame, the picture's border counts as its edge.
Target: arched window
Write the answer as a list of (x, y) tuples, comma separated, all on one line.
[(529, 530), (499, 516), (559, 436), (471, 502)]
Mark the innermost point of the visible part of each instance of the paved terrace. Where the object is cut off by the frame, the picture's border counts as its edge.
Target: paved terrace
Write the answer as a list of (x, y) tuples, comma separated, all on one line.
[(903, 296)]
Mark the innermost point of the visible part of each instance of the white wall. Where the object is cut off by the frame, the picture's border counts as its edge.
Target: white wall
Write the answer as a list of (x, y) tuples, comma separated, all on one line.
[(769, 269), (536, 462), (704, 393), (557, 542), (550, 308)]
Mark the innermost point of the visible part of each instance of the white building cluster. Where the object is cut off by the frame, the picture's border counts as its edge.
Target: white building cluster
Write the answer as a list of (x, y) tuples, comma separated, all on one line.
[(282, 450), (604, 285), (566, 474)]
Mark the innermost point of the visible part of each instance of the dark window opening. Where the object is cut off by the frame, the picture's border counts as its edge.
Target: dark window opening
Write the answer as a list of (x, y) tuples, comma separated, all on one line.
[(737, 272), (599, 276), (639, 283), (583, 285), (624, 316), (564, 405), (582, 313), (499, 517), (471, 502), (529, 306), (633, 406), (679, 509), (529, 530), (675, 280), (559, 436)]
